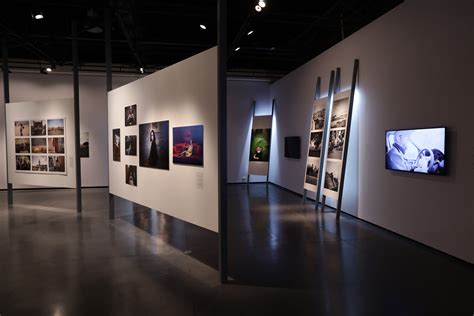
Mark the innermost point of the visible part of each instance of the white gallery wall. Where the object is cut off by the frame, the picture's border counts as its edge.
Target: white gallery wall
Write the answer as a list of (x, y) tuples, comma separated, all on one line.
[(415, 71), (93, 115), (184, 94)]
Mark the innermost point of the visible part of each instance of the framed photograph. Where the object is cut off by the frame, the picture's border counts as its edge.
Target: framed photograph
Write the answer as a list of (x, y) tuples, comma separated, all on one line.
[(131, 145), (315, 144), (23, 163), (154, 145), (116, 144), (56, 127), (336, 143), (84, 147), (56, 164), (22, 128), (319, 114), (339, 113), (260, 144), (131, 115), (188, 145), (38, 127), (333, 175), (22, 145), (56, 145), (312, 170), (38, 145), (39, 163), (131, 175)]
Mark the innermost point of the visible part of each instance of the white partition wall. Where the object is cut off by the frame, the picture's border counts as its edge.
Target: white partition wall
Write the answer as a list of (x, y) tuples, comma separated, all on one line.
[(52, 110), (185, 94)]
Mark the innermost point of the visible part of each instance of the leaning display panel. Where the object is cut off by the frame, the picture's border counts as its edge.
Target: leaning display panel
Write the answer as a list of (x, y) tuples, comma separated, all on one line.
[(40, 140), (182, 95)]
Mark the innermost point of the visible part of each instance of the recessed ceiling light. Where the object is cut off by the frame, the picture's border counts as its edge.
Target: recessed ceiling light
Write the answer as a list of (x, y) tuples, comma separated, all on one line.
[(262, 3), (202, 26), (258, 8), (237, 48), (49, 69), (37, 15), (141, 70), (250, 32)]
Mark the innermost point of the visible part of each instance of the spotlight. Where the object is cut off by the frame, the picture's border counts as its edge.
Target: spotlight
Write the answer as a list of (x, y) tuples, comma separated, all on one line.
[(238, 48), (49, 69), (38, 15), (262, 3), (258, 8), (202, 26), (250, 32), (141, 70), (46, 70)]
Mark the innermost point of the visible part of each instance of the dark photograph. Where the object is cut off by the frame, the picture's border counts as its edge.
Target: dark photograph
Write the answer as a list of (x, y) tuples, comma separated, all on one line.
[(131, 115), (38, 128), (312, 171), (56, 127), (131, 145), (336, 144), (22, 145), (116, 144), (56, 145), (318, 117), (333, 175), (57, 164), (38, 146), (22, 128), (39, 163), (84, 146), (131, 175), (154, 145), (339, 113), (188, 145), (260, 144), (315, 144), (23, 163)]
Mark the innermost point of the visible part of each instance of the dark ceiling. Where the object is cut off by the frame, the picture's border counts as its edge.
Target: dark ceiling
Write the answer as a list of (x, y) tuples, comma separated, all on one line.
[(155, 33)]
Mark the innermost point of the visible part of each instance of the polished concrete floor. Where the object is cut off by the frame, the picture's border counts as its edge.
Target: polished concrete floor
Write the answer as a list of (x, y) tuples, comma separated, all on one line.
[(284, 259)]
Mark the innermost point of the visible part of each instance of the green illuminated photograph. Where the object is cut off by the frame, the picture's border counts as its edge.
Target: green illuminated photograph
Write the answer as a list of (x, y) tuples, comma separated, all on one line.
[(260, 144)]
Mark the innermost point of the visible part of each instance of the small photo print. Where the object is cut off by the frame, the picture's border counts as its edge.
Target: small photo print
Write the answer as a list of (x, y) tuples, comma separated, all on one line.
[(339, 113), (333, 175), (23, 163), (84, 140), (56, 145), (56, 164), (56, 127), (116, 144), (38, 146), (39, 163), (22, 128), (336, 144), (312, 171), (131, 175), (131, 115), (22, 145), (315, 144), (38, 127), (318, 116), (131, 145)]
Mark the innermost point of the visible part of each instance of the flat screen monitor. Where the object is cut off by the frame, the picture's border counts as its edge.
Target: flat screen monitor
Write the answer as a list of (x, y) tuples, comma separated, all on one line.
[(292, 147), (420, 150)]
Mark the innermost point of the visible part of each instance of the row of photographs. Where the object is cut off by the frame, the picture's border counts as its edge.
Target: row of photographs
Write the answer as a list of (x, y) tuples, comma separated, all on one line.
[(41, 163), (332, 177), (39, 145), (338, 115), (34, 128), (153, 145)]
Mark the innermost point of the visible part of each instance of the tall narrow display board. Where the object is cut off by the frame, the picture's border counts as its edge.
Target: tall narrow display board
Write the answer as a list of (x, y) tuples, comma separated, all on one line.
[(260, 144), (336, 144), (316, 137)]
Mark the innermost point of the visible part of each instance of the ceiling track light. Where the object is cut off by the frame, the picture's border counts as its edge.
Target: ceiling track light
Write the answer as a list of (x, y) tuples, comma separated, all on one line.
[(258, 8), (237, 48), (37, 15), (262, 4), (250, 32), (142, 71), (46, 70), (202, 26)]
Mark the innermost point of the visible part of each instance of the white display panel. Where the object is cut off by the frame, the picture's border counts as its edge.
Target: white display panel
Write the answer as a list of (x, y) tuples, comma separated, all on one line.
[(41, 133), (183, 94)]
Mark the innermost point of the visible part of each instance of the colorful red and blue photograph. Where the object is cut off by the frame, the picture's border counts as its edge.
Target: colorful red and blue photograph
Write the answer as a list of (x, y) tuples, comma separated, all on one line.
[(188, 145)]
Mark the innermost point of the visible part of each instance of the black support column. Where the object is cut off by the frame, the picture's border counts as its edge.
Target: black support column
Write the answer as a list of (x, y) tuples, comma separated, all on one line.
[(6, 93), (222, 130), (77, 126)]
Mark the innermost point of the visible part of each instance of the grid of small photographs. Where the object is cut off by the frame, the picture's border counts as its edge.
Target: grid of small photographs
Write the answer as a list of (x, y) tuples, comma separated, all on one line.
[(40, 146), (315, 145), (130, 144)]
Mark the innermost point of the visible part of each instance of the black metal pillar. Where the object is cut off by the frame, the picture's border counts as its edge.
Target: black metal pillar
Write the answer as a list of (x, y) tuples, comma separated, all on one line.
[(355, 74), (222, 136), (77, 127), (108, 63), (6, 93)]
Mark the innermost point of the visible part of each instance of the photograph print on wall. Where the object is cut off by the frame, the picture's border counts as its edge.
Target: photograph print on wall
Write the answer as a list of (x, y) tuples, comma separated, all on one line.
[(131, 145), (56, 127), (312, 170), (23, 163), (22, 145), (336, 143), (340, 109), (154, 145), (333, 175), (315, 144), (38, 146), (131, 115), (131, 175), (22, 128), (318, 116), (39, 163), (56, 164), (188, 145), (84, 147), (56, 145), (38, 127), (260, 144), (116, 144)]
